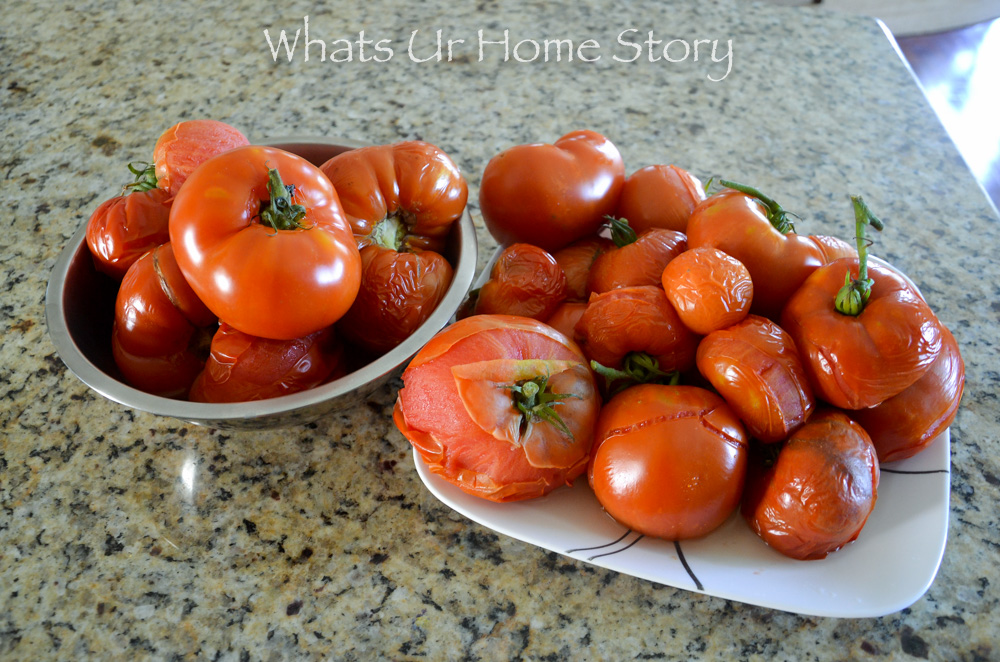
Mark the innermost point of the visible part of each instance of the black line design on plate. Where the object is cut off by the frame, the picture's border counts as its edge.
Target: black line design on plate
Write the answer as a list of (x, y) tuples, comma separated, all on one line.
[(680, 555), (641, 536), (587, 549), (926, 471)]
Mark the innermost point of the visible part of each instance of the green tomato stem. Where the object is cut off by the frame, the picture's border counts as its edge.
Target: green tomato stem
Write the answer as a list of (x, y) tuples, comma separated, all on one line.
[(853, 296), (279, 212), (637, 368), (144, 177), (536, 402), (622, 233), (780, 219)]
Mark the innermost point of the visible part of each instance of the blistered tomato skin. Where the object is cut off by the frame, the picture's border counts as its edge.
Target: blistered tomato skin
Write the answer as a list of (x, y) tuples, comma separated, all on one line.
[(525, 280), (755, 367), (125, 227), (659, 196), (709, 289), (668, 461), (640, 262), (819, 492)]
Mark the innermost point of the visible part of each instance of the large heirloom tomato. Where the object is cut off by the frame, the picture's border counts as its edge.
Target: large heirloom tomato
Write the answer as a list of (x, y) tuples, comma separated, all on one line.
[(401, 201), (551, 195), (261, 236), (501, 406), (668, 461)]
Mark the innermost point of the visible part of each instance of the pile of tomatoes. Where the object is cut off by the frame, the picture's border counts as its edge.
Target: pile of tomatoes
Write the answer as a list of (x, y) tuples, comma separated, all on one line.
[(691, 353), (246, 272)]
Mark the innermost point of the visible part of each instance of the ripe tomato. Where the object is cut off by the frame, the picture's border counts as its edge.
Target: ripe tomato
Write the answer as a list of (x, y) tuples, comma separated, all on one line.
[(659, 196), (816, 497), (637, 259), (566, 316), (576, 261), (125, 227), (242, 368), (186, 145), (268, 263), (709, 289), (906, 424), (668, 461), (755, 367), (501, 406), (160, 332), (525, 280), (551, 195)]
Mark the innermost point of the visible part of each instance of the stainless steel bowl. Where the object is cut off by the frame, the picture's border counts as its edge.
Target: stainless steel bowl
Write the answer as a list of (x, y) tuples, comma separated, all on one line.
[(79, 308)]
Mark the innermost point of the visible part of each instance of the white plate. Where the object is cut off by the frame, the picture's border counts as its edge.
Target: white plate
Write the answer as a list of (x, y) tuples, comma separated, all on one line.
[(891, 564)]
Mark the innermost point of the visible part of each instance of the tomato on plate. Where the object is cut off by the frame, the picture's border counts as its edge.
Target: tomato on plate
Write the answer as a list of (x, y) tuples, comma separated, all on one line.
[(501, 406), (636, 259), (186, 145), (757, 370), (551, 195), (576, 261), (242, 368), (668, 461), (816, 496), (160, 332), (261, 236), (126, 226), (709, 289), (525, 280), (659, 196)]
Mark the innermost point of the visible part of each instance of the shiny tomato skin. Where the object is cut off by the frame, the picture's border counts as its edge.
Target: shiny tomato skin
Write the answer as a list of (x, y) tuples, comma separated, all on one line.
[(668, 461), (551, 195), (819, 492), (525, 280), (907, 423), (125, 227), (279, 284), (833, 248), (577, 259), (709, 289), (638, 263), (566, 317), (244, 368), (755, 367), (186, 145), (456, 410), (157, 337), (854, 362), (659, 196)]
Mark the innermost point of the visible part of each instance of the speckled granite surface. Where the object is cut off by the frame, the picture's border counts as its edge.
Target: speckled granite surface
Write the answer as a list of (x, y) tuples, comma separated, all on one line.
[(126, 536)]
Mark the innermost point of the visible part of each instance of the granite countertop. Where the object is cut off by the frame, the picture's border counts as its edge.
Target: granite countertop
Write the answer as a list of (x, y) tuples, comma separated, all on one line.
[(128, 536)]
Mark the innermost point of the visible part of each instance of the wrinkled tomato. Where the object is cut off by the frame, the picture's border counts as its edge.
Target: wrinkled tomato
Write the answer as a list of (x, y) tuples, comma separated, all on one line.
[(551, 195), (709, 289), (636, 259), (525, 280), (659, 196), (125, 227), (576, 261), (501, 406), (186, 145), (668, 461)]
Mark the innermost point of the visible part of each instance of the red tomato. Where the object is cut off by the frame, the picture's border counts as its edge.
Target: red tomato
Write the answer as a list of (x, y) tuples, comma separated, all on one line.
[(754, 365), (818, 494), (668, 461), (243, 368), (501, 406), (576, 261), (268, 264), (124, 227), (525, 280), (159, 335), (551, 195), (637, 259), (566, 316), (709, 289), (832, 248), (186, 145), (659, 196), (906, 424)]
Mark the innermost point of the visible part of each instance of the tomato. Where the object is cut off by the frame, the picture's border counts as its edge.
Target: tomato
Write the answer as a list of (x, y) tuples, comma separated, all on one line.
[(501, 406), (243, 368), (817, 495), (186, 145), (125, 227), (159, 335), (755, 367), (668, 461), (576, 261), (637, 259), (907, 423), (566, 316), (709, 289), (525, 280), (832, 248), (268, 263), (551, 195), (659, 196)]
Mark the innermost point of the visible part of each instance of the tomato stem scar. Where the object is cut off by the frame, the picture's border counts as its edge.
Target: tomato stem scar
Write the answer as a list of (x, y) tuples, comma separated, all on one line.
[(390, 233), (279, 212), (779, 218), (853, 296)]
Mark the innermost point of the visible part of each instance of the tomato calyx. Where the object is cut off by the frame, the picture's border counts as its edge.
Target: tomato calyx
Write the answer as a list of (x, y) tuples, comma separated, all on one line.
[(637, 368), (780, 219), (391, 232), (279, 212), (536, 402), (622, 233), (853, 296), (144, 177)]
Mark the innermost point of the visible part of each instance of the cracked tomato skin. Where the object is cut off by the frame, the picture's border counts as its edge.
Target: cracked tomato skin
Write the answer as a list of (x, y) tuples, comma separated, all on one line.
[(525, 280), (281, 284), (551, 195), (817, 495), (125, 227), (668, 461), (456, 408)]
